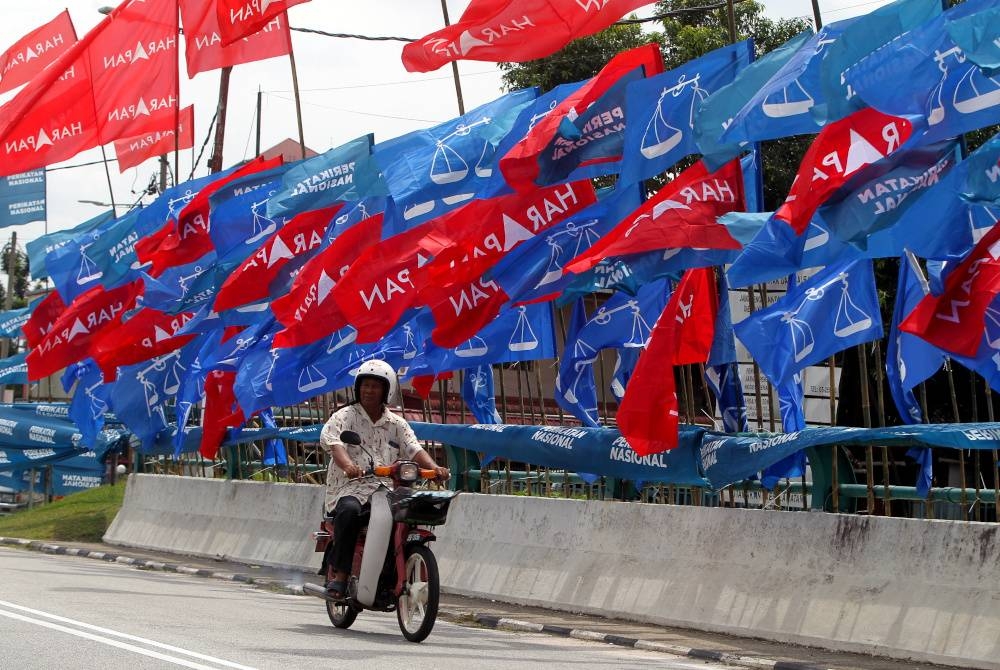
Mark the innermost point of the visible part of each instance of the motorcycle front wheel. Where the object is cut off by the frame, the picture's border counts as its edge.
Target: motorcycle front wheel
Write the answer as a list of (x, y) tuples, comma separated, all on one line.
[(341, 615), (417, 607)]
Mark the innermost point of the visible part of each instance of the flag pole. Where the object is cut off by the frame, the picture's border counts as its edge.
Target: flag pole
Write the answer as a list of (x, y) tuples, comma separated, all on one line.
[(454, 64), (295, 89), (177, 109), (215, 162), (111, 191)]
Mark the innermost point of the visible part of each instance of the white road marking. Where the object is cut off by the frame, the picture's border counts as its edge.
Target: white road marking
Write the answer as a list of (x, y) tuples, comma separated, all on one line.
[(116, 643)]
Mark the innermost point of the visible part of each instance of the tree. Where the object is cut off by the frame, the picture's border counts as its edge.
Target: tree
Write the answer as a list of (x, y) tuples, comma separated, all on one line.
[(21, 272)]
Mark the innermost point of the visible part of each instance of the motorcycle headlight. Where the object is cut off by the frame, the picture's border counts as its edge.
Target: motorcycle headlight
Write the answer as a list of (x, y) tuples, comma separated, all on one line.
[(409, 472)]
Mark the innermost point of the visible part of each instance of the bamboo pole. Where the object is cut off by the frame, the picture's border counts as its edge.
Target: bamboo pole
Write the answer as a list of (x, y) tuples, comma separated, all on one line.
[(963, 500), (867, 419), (880, 400)]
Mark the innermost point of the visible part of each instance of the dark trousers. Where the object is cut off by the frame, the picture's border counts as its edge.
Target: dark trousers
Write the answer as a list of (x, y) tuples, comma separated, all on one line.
[(346, 526)]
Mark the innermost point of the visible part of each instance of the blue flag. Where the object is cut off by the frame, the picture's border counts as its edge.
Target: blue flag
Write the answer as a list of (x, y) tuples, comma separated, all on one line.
[(14, 369), (978, 36), (877, 28), (41, 247), (835, 309), (925, 475), (783, 106), (12, 321), (429, 172), (347, 172), (909, 359), (945, 92), (724, 382), (624, 366), (90, 400), (792, 421), (183, 287), (534, 269), (715, 112), (575, 390), (239, 214), (477, 391), (139, 396), (663, 109), (22, 198), (523, 333), (274, 448)]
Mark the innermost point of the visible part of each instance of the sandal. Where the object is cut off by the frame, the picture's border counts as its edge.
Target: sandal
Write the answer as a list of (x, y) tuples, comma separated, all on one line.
[(336, 589)]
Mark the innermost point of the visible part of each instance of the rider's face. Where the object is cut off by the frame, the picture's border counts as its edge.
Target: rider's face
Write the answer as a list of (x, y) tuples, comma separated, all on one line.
[(371, 393)]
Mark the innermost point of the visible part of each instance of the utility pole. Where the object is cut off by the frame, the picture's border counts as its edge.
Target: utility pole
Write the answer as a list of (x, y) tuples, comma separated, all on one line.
[(8, 299), (454, 65), (215, 163)]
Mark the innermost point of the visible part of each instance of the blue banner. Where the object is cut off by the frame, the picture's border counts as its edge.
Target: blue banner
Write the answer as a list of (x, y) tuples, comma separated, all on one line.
[(239, 214), (575, 390), (14, 369), (428, 172), (90, 401), (944, 91), (139, 396), (579, 449), (11, 322), (478, 393), (347, 172), (661, 128), (22, 198), (41, 247), (835, 309)]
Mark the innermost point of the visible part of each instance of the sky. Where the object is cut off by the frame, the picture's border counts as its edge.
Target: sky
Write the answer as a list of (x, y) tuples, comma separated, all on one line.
[(348, 87)]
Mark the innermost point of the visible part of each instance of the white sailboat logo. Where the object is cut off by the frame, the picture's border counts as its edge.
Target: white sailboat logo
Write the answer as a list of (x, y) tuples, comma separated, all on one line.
[(791, 100)]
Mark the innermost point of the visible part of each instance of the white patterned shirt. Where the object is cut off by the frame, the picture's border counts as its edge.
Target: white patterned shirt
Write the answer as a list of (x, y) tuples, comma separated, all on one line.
[(375, 439)]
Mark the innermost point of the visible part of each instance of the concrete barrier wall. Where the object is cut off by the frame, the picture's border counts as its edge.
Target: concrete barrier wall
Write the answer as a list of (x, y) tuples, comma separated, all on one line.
[(912, 589)]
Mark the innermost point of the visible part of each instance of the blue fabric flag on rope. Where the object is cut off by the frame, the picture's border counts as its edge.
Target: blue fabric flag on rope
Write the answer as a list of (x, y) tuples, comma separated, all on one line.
[(347, 173), (879, 27), (139, 395), (783, 105), (978, 36), (22, 198), (575, 390), (429, 172), (12, 321), (724, 382), (943, 90), (183, 287), (90, 400), (662, 110), (274, 448), (239, 214), (792, 420), (909, 359), (14, 369), (478, 393), (624, 366), (835, 309), (715, 112), (41, 247), (535, 268), (523, 333), (925, 475)]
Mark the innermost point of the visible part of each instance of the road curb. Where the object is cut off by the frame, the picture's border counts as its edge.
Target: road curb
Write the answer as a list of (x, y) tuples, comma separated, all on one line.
[(453, 616)]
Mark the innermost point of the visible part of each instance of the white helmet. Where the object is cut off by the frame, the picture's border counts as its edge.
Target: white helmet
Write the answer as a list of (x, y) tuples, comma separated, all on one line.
[(378, 370)]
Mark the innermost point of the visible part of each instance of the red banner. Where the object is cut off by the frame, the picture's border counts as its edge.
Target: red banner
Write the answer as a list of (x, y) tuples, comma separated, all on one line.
[(241, 18), (514, 31), (682, 214), (297, 241), (157, 141), (648, 416), (148, 334), (33, 52), (309, 312), (221, 411), (839, 151), (203, 46), (520, 165), (70, 338), (42, 318), (955, 320)]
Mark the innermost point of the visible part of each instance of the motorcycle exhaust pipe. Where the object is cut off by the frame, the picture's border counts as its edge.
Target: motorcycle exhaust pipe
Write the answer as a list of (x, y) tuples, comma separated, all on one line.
[(315, 590)]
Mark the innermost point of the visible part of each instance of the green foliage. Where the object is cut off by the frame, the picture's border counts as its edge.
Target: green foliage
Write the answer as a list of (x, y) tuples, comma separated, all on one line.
[(21, 271), (578, 60), (80, 517)]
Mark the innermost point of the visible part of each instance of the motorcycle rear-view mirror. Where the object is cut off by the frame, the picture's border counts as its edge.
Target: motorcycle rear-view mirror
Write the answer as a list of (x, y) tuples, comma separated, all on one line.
[(350, 437)]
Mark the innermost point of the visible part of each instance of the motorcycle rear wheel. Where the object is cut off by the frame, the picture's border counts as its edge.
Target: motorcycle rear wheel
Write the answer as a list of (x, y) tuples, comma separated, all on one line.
[(417, 607), (342, 615)]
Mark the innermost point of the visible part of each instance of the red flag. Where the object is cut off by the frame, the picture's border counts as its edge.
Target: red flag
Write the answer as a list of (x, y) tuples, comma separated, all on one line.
[(299, 240), (99, 90), (42, 318), (468, 241), (520, 165), (838, 152), (514, 31), (33, 52), (188, 238), (954, 321), (203, 42), (422, 384), (148, 334), (462, 311), (682, 214), (242, 18), (158, 141), (683, 334), (380, 284), (221, 411), (308, 312), (73, 333)]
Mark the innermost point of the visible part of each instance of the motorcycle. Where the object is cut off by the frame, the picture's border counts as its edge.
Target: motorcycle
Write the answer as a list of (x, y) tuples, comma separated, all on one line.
[(393, 568)]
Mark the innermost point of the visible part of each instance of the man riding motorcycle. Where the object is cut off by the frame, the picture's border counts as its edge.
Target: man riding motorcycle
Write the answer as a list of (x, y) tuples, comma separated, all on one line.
[(348, 491)]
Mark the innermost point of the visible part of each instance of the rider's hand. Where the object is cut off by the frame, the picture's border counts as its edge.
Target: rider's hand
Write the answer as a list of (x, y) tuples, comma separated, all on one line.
[(443, 474), (353, 471)]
